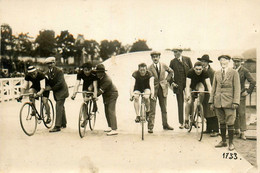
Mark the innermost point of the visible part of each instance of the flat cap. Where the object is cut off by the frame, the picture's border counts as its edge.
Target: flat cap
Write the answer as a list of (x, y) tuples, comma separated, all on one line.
[(237, 58), (155, 53), (224, 56), (49, 60)]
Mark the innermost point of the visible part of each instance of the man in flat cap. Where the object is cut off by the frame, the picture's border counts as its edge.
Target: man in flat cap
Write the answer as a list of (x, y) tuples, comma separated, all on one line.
[(225, 99), (109, 92), (59, 87), (180, 65), (244, 74), (212, 120), (159, 70)]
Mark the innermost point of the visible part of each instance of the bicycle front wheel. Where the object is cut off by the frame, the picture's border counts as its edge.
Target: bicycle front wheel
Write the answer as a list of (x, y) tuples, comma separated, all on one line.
[(199, 122), (142, 118), (28, 119), (82, 120), (91, 115), (48, 114)]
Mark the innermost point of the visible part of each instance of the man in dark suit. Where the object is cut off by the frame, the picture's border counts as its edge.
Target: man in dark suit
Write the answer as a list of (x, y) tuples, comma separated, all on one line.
[(109, 92), (225, 99), (244, 74), (160, 90), (180, 65), (212, 120), (57, 83)]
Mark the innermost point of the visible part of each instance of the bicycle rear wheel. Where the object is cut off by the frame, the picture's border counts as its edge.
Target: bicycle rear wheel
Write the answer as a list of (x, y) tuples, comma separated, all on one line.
[(45, 116), (91, 115), (82, 120), (199, 122), (28, 119)]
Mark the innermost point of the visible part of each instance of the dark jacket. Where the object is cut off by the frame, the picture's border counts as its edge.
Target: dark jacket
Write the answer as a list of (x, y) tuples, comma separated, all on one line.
[(177, 66), (244, 75), (58, 85), (107, 89)]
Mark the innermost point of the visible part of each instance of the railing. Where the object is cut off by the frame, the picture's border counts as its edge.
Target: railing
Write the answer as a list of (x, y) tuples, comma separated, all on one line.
[(11, 87)]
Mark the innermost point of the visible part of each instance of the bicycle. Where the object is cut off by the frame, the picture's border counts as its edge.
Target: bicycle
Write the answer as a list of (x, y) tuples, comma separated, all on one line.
[(197, 119), (142, 111), (30, 117), (87, 114)]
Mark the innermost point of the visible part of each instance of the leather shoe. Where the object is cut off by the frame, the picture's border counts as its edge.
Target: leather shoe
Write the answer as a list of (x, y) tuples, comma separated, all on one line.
[(181, 126), (63, 126), (231, 147), (221, 144), (48, 120), (214, 134), (167, 128), (55, 129), (243, 136), (150, 130)]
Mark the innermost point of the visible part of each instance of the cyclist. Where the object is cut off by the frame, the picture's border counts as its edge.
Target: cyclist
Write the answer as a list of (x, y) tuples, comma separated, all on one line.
[(37, 88), (197, 80), (89, 84), (142, 82)]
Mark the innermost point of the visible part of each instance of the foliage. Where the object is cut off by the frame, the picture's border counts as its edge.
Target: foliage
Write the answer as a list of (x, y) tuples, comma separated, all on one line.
[(45, 43), (139, 45)]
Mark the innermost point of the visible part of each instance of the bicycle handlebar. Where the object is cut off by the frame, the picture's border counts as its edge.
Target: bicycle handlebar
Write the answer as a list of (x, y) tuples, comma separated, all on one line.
[(200, 92), (85, 92)]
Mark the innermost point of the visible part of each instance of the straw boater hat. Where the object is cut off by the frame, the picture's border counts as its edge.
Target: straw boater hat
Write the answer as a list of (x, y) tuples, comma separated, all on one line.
[(31, 69), (49, 60), (205, 58)]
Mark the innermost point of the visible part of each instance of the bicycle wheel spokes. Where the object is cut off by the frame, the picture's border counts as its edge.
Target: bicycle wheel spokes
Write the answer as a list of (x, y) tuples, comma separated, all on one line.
[(199, 123), (28, 119), (142, 118), (91, 115), (82, 124), (48, 114)]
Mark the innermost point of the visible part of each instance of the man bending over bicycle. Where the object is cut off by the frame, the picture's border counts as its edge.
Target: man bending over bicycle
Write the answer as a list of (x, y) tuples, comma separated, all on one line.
[(197, 80), (37, 88), (142, 82), (89, 84)]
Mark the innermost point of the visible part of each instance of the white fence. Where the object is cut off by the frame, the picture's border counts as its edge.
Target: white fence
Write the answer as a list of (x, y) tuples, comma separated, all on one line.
[(11, 87)]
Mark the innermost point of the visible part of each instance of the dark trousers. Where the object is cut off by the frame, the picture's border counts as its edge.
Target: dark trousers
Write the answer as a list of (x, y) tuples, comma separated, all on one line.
[(240, 122), (163, 104), (110, 111), (60, 113), (212, 124), (180, 102)]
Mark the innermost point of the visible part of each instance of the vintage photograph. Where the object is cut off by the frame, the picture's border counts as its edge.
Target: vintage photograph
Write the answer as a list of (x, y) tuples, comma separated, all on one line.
[(129, 86)]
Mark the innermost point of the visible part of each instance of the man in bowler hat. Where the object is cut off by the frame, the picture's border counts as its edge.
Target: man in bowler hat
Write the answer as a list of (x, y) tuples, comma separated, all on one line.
[(180, 65), (57, 83), (212, 120), (109, 92)]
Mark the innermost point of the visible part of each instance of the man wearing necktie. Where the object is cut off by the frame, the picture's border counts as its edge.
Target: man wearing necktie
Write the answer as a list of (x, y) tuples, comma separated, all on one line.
[(57, 83), (180, 65), (160, 90), (225, 99)]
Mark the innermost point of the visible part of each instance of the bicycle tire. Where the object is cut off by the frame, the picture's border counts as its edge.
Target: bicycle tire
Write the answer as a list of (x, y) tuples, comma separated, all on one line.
[(83, 110), (44, 116), (142, 119), (200, 122), (27, 120), (92, 117)]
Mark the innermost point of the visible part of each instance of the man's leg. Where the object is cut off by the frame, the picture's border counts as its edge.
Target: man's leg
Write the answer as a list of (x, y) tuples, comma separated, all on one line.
[(147, 93), (107, 114), (163, 105), (242, 117), (112, 113), (137, 105), (151, 115), (64, 119), (230, 120), (237, 124), (59, 112), (47, 108), (222, 121), (180, 102), (187, 112)]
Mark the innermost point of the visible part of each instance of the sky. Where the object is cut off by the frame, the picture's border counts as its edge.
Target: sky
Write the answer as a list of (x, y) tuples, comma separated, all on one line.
[(200, 24)]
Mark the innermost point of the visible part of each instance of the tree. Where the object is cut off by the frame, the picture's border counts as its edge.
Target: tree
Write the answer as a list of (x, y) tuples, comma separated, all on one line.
[(23, 45), (139, 45), (109, 48), (6, 40), (46, 43), (91, 48), (65, 44)]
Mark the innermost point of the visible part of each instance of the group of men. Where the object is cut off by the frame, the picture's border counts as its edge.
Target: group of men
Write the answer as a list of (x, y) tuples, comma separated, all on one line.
[(224, 105)]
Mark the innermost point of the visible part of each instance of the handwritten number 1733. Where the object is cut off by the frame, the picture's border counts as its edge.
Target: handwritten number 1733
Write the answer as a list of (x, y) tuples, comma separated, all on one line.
[(230, 156)]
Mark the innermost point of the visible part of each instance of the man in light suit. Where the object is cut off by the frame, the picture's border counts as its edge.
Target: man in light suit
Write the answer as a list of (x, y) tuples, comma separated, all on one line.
[(57, 83), (180, 65), (225, 99), (160, 90)]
